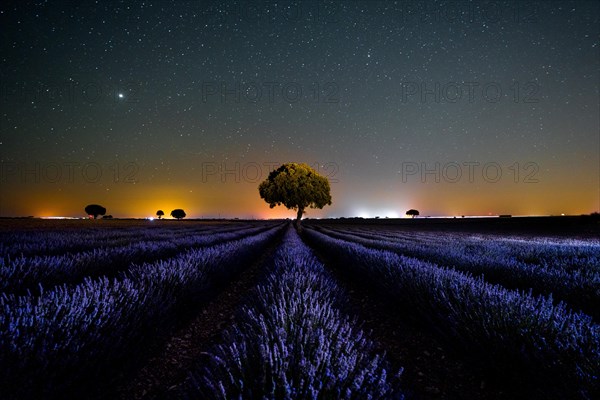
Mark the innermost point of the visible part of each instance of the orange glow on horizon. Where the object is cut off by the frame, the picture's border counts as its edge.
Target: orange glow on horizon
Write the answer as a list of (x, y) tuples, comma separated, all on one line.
[(241, 200)]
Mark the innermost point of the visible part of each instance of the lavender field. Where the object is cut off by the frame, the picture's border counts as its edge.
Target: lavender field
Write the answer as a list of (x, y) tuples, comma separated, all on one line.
[(253, 310)]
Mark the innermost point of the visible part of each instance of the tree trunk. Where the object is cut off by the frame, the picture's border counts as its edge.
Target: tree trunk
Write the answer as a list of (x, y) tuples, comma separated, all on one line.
[(298, 219)]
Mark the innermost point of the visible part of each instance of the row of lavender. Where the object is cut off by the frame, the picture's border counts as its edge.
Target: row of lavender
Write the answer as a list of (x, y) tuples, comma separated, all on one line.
[(292, 342), (569, 273), (73, 341), (542, 344), (23, 242), (28, 273), (568, 254)]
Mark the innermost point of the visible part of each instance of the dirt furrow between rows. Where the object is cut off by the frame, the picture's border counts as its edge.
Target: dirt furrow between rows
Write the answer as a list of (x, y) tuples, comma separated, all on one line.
[(432, 370), (165, 372)]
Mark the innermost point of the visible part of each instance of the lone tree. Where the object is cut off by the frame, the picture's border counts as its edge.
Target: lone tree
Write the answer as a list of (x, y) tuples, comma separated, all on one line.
[(296, 186), (160, 213), (95, 210), (178, 213), (412, 212)]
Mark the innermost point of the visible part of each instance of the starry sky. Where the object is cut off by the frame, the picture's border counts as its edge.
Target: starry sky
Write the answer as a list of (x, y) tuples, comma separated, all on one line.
[(449, 107)]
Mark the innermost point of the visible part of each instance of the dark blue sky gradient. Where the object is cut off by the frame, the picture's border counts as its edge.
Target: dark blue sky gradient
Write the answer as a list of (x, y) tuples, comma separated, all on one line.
[(453, 108)]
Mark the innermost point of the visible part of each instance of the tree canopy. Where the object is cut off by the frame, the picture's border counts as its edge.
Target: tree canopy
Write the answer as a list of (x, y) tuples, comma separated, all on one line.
[(178, 213), (160, 213), (412, 212), (297, 186), (95, 210)]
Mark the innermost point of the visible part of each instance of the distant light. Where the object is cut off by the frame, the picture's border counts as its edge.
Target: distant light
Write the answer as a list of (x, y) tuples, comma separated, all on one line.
[(151, 218), (121, 95), (390, 214), (362, 214), (562, 214)]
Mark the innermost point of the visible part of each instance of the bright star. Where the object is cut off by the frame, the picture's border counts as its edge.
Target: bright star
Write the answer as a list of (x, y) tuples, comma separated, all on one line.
[(121, 95)]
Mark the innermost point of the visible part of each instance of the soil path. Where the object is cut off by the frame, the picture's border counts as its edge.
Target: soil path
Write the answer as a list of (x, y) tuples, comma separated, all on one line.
[(432, 370), (164, 373)]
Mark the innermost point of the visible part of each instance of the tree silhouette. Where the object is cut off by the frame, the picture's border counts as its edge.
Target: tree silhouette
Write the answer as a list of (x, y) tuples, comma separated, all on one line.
[(95, 210), (160, 213), (412, 212), (178, 213), (296, 186)]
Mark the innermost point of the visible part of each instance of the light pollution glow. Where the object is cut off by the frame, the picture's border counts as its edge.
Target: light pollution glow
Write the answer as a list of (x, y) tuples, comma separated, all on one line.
[(241, 200)]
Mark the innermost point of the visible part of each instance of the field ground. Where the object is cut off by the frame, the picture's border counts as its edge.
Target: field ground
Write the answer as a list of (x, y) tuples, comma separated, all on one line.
[(584, 226), (167, 341)]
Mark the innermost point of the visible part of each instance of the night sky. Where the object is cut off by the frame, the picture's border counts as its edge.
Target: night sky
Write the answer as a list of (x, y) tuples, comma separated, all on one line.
[(452, 108)]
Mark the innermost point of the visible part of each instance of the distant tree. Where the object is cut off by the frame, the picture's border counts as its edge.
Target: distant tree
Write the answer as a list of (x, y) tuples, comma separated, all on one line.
[(160, 213), (107, 217), (178, 213), (412, 212), (296, 186), (95, 210)]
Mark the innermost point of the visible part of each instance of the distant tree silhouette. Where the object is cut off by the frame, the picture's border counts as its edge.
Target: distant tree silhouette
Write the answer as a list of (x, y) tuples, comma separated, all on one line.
[(107, 217), (95, 210), (296, 186), (412, 212), (160, 213), (178, 213)]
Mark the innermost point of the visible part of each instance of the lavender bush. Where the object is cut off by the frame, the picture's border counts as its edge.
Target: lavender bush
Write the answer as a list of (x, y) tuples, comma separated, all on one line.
[(578, 286), (74, 240), (67, 341), (292, 342), (21, 274), (565, 254), (544, 343)]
